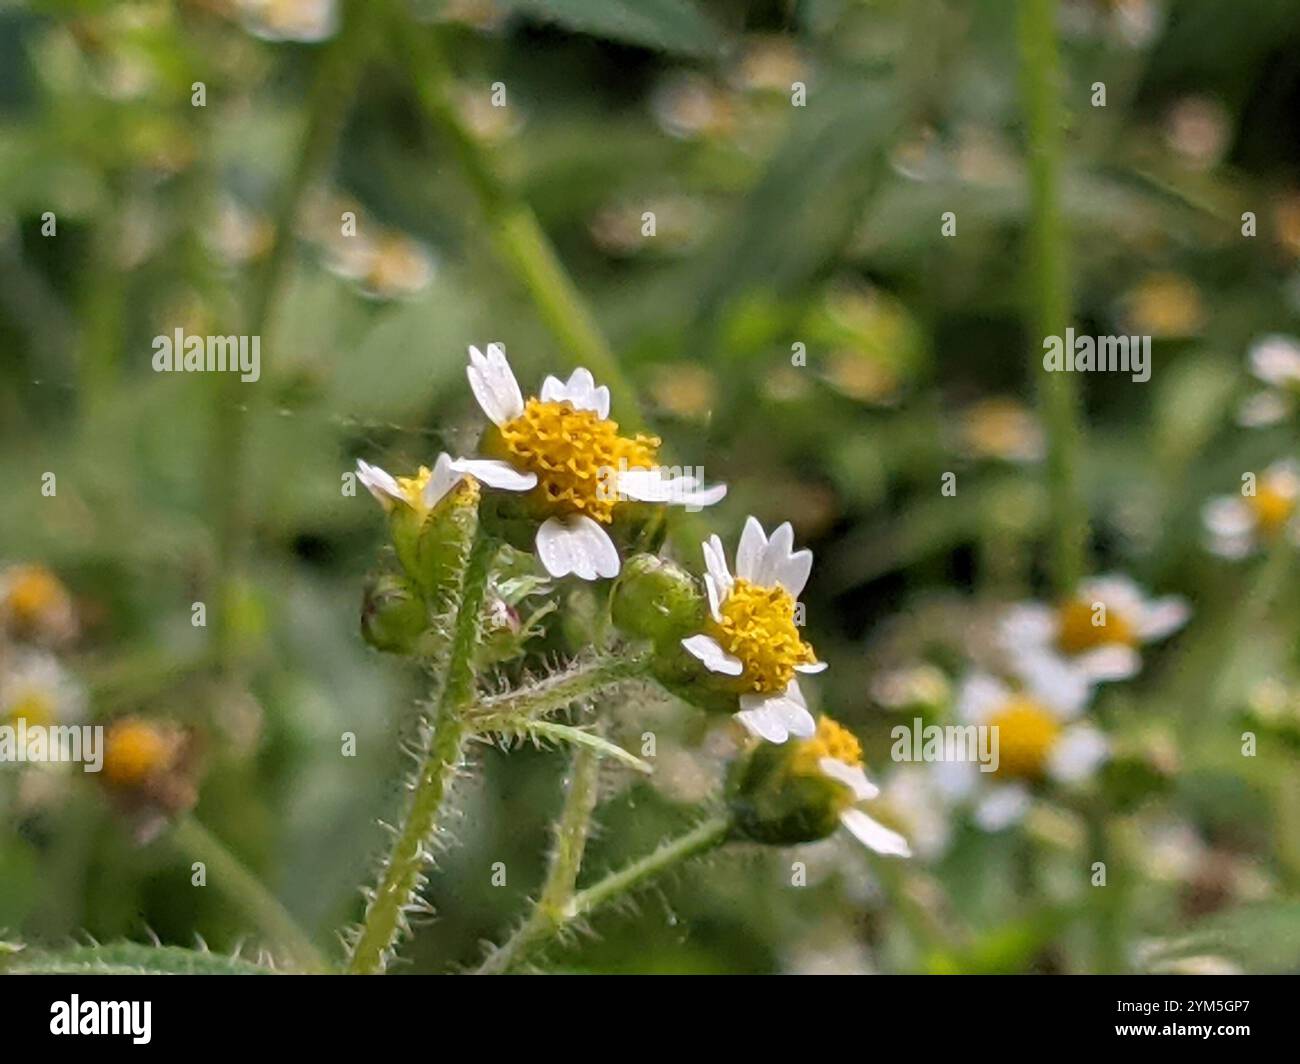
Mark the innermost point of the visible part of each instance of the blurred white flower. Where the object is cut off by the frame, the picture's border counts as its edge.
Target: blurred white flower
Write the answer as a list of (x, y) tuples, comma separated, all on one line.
[(1239, 525), (308, 21), (1275, 360)]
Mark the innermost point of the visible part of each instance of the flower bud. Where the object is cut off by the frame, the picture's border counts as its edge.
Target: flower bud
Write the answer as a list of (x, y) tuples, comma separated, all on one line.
[(393, 614), (657, 599), (779, 798), (432, 546)]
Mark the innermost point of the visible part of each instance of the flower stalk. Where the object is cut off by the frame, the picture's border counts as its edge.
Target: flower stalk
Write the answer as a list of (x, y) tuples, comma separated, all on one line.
[(398, 890)]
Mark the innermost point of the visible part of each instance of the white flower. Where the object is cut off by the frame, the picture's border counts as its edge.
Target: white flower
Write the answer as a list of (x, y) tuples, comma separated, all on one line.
[(36, 688), (426, 489), (308, 21), (917, 801), (581, 466), (1098, 631), (1238, 525), (1039, 737), (1275, 360), (753, 635)]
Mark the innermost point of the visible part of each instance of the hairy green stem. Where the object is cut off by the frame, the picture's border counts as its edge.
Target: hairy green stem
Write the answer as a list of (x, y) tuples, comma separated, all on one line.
[(585, 679), (571, 832), (230, 876), (1050, 283), (706, 836), (399, 885), (336, 81)]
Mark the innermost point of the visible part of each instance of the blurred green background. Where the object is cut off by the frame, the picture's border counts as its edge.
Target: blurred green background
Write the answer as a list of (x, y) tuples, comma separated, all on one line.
[(775, 225)]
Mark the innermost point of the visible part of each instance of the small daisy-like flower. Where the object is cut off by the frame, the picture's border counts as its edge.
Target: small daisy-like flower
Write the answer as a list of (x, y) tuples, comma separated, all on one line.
[(37, 690), (802, 791), (308, 21), (422, 492), (35, 605), (752, 635), (1275, 360), (581, 468), (1238, 525), (1039, 739), (1097, 631)]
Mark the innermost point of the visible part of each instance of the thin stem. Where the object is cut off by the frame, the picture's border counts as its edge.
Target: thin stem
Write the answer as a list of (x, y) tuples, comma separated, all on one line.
[(1109, 901), (1050, 283), (706, 836), (571, 833), (332, 92), (233, 879), (515, 709), (398, 889)]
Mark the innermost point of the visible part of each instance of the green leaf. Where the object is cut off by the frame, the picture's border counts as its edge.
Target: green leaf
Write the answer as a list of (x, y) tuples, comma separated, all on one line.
[(1261, 938), (126, 958), (666, 25), (547, 729)]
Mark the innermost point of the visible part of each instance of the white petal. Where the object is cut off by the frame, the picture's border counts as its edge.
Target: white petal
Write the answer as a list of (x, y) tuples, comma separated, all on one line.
[(789, 706), (650, 485), (715, 564), (1117, 592), (715, 659), (1064, 687), (1112, 662), (715, 600), (495, 474), (979, 696), (579, 390), (955, 780), (443, 478), (1026, 625), (1276, 360), (1078, 753), (1261, 409), (576, 545), (1163, 617), (873, 835), (851, 776), (1228, 516), (775, 555), (382, 486), (753, 544), (1002, 807), (812, 669), (494, 385), (764, 723), (792, 574)]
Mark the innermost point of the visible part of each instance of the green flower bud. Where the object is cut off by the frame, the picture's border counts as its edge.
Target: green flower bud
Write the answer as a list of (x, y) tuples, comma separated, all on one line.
[(432, 546), (781, 795), (658, 600), (393, 614)]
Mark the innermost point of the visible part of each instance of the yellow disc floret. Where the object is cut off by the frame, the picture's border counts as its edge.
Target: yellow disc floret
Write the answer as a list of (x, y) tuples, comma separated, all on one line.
[(758, 628), (1272, 507), (573, 452), (1026, 734), (1083, 627), (34, 597), (135, 751), (35, 708), (831, 740), (413, 489)]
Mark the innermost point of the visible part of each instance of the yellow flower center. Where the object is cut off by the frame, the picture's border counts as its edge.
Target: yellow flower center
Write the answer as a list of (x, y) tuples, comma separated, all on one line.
[(573, 453), (758, 627), (134, 751), (1272, 508), (413, 488), (831, 740), (1082, 628), (1026, 734), (35, 707), (33, 592)]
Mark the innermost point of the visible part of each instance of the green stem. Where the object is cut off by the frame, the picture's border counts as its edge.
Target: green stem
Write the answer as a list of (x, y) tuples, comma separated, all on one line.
[(706, 836), (399, 885), (332, 92), (233, 879), (1050, 283), (571, 833), (1109, 901), (515, 709)]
